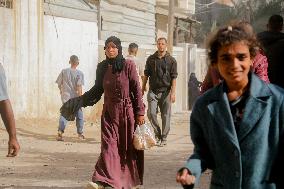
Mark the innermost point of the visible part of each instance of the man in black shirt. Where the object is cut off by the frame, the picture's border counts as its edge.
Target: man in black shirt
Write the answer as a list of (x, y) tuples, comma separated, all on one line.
[(161, 69)]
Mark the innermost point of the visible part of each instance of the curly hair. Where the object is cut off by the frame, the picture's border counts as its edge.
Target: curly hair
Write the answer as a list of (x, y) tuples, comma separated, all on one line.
[(235, 32)]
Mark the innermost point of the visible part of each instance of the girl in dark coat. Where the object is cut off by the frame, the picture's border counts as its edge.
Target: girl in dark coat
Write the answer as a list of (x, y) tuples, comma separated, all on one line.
[(237, 127)]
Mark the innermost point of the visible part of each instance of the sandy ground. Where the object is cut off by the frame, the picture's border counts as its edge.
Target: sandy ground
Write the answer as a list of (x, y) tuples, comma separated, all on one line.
[(44, 162)]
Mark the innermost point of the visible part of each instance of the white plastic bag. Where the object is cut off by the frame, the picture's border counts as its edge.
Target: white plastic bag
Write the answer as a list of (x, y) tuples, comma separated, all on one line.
[(144, 137)]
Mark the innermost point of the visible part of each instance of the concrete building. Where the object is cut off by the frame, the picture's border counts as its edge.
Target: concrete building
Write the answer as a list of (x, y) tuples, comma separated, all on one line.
[(38, 36)]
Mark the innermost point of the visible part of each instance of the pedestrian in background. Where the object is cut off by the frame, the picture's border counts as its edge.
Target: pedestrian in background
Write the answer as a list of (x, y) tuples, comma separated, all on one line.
[(119, 165), (132, 55), (272, 41), (70, 82), (237, 127), (193, 90), (161, 69), (7, 115)]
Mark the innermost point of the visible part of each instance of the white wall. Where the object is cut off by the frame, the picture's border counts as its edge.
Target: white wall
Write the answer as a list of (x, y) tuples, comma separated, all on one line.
[(74, 37), (7, 39), (33, 56)]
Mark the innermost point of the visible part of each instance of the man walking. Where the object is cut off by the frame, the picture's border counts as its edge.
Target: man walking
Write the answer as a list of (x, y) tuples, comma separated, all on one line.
[(161, 68), (7, 115), (273, 42), (70, 82)]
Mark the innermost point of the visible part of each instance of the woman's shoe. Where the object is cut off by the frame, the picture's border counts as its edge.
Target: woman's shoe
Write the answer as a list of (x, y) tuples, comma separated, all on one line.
[(94, 185), (138, 187)]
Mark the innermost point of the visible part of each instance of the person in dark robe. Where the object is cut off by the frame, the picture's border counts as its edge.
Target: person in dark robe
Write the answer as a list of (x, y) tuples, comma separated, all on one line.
[(193, 90)]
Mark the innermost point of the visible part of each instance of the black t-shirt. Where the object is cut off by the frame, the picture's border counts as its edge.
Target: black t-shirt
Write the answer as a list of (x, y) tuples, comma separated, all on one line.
[(161, 72), (237, 110)]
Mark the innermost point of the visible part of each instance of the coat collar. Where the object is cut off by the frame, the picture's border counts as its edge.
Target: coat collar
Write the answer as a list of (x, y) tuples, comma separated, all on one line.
[(256, 104)]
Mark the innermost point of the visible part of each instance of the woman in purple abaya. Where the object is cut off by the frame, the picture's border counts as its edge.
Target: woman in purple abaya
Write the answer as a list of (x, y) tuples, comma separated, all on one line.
[(120, 165)]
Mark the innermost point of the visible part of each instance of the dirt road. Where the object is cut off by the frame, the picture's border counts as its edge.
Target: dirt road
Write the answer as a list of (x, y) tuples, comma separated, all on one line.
[(46, 163)]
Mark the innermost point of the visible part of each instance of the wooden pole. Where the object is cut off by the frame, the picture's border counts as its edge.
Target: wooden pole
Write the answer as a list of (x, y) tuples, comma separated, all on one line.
[(176, 32), (171, 25), (190, 32)]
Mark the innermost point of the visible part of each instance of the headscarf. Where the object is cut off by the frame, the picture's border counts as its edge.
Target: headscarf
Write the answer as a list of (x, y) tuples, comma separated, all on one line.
[(117, 62)]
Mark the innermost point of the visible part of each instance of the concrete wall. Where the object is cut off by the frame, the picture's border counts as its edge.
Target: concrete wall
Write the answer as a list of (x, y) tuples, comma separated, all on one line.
[(74, 37), (34, 49), (20, 55)]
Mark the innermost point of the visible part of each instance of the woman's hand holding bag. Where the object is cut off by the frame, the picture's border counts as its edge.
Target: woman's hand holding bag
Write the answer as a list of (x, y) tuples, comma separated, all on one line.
[(144, 137)]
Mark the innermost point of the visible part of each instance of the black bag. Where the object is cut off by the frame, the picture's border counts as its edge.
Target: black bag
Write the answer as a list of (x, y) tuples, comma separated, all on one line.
[(69, 109)]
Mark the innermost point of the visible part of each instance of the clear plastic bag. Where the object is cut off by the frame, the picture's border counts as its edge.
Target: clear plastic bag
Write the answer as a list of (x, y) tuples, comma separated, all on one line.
[(144, 137)]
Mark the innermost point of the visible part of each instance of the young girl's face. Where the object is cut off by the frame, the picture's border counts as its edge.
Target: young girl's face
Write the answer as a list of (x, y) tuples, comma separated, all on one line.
[(234, 62)]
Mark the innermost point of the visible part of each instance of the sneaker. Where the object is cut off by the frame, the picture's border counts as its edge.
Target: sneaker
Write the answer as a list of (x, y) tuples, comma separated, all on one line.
[(98, 185), (94, 185), (59, 136), (81, 137), (163, 143), (158, 140)]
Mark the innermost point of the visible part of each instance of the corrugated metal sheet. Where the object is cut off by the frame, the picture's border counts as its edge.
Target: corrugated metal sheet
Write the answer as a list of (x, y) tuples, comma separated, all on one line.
[(75, 9), (132, 21)]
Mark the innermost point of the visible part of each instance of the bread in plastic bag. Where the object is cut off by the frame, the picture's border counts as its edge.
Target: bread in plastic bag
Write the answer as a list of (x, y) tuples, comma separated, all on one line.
[(144, 137)]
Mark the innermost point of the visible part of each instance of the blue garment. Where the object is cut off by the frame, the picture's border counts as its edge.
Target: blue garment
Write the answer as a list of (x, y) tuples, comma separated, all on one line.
[(247, 160), (79, 122), (3, 85)]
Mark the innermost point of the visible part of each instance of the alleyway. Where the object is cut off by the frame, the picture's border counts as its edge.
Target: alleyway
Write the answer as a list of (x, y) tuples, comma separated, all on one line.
[(46, 163)]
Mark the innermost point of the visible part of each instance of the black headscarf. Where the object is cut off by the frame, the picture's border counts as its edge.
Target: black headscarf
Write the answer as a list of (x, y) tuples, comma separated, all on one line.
[(117, 62)]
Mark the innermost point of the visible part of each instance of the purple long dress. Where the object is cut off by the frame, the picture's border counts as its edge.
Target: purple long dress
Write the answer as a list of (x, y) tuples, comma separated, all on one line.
[(119, 164)]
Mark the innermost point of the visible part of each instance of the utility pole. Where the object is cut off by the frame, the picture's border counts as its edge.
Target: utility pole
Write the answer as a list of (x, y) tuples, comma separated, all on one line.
[(99, 18), (171, 25)]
